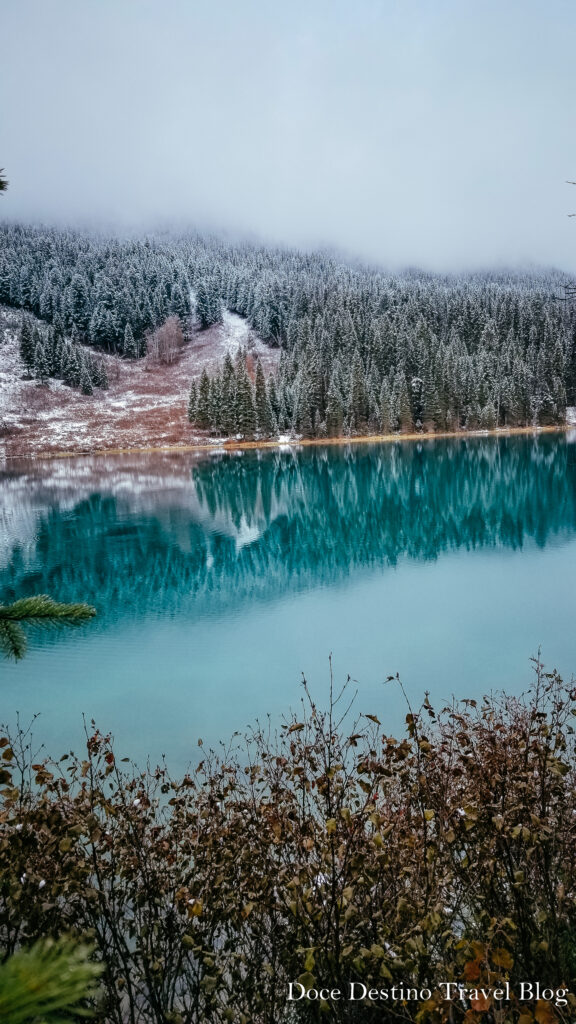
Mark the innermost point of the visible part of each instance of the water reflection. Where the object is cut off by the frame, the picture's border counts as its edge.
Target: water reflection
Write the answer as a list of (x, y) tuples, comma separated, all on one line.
[(176, 534)]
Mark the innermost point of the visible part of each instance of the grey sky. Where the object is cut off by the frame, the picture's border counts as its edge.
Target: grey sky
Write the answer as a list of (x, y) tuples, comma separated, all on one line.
[(434, 132)]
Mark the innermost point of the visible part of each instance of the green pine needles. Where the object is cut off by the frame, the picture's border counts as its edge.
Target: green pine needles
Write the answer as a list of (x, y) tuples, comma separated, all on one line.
[(40, 610), (47, 982)]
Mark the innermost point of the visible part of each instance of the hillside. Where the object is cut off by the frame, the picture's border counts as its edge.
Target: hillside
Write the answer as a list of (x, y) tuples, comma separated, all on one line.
[(145, 405), (359, 351)]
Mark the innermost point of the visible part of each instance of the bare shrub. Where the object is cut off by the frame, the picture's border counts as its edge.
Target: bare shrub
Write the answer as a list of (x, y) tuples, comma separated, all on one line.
[(165, 343), (326, 853)]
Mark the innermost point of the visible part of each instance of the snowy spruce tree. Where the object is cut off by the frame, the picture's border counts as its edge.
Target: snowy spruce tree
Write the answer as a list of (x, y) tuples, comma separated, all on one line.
[(227, 415), (208, 304), (86, 381), (264, 414), (27, 342), (129, 345), (192, 402), (41, 366), (203, 404), (245, 411)]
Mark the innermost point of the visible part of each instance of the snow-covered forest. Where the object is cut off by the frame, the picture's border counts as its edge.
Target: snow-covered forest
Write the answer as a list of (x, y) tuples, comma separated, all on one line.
[(362, 351)]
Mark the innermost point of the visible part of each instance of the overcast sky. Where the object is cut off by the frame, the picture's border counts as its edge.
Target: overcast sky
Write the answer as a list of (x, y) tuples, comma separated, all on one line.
[(430, 132)]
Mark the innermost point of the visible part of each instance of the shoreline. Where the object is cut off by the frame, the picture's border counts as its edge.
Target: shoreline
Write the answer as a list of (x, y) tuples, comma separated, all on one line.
[(303, 442)]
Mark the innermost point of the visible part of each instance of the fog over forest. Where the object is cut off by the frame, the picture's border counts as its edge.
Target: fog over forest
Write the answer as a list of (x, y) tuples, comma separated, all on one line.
[(406, 133)]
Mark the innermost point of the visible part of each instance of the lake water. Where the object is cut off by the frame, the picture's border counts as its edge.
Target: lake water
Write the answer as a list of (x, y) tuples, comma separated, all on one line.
[(220, 580)]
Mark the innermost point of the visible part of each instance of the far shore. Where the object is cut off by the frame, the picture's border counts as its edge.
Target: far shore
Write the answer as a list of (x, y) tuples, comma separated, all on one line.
[(216, 446)]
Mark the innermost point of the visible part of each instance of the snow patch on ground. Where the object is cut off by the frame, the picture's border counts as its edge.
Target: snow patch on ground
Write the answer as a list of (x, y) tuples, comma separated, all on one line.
[(145, 406), (238, 334)]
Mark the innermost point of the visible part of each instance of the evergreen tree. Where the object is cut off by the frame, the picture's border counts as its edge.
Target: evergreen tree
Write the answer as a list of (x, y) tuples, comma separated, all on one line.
[(334, 408), (58, 347), (284, 413), (41, 367), (273, 397), (71, 368), (435, 408), (129, 345), (208, 304), (97, 326), (417, 393), (306, 422), (203, 406), (228, 396), (28, 342), (402, 404), (46, 304), (216, 311), (86, 381), (192, 401), (387, 417), (488, 416), (58, 324), (216, 404), (358, 407), (178, 304), (78, 304), (264, 414), (245, 411), (53, 340)]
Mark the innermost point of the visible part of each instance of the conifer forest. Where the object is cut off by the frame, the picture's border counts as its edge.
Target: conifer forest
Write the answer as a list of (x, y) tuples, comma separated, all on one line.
[(362, 351)]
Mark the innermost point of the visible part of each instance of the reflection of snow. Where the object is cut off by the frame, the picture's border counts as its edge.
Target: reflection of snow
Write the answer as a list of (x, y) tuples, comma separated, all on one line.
[(143, 484), (246, 534), (243, 535), (18, 528)]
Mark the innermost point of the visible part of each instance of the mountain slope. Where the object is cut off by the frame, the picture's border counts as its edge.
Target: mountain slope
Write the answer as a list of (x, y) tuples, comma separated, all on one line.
[(144, 406)]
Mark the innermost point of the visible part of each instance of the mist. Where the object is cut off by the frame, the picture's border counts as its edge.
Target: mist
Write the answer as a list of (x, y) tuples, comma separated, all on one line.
[(409, 132)]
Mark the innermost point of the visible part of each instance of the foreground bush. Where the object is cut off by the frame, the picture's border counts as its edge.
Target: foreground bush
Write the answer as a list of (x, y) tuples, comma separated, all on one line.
[(326, 853)]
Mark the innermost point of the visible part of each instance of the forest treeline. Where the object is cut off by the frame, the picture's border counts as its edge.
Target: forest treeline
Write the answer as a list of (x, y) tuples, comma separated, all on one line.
[(318, 515), (362, 350)]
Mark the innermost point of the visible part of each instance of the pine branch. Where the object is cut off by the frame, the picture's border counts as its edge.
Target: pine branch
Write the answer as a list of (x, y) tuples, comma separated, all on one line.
[(40, 610), (12, 639), (45, 981), (44, 611)]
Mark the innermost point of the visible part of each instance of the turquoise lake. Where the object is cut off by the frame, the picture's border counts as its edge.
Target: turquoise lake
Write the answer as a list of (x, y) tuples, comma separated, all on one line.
[(219, 580)]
